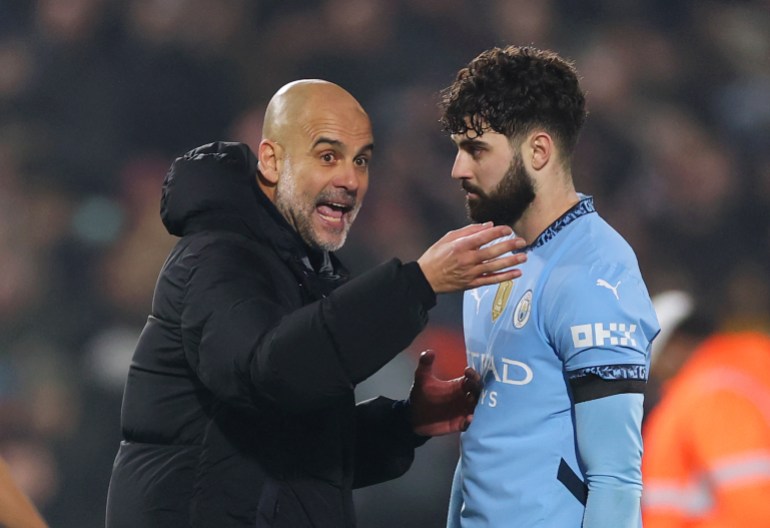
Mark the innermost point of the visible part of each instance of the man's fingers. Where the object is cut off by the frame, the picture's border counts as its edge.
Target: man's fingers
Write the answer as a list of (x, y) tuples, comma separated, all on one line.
[(485, 236), (501, 248), (472, 386), (493, 278), (466, 231), (466, 423), (500, 263), (472, 374), (472, 379)]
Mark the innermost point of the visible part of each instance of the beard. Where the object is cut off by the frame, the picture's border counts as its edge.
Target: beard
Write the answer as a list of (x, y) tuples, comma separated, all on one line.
[(299, 209), (505, 204)]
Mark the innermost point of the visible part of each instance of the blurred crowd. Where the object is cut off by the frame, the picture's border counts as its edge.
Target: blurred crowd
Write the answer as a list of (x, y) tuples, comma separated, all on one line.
[(97, 97)]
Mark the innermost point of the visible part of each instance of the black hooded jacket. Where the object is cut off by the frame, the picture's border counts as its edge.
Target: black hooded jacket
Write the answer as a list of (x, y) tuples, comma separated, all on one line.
[(239, 407)]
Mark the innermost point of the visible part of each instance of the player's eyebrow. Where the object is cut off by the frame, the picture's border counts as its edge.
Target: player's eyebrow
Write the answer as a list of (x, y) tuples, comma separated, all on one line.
[(467, 143)]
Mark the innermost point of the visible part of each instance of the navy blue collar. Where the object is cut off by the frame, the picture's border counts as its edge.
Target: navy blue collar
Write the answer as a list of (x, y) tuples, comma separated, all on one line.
[(583, 207)]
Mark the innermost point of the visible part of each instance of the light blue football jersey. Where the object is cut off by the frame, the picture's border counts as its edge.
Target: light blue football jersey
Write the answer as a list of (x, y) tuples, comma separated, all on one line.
[(580, 307)]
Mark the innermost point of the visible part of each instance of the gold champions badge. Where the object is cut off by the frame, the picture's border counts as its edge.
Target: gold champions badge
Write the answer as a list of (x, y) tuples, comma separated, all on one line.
[(501, 298)]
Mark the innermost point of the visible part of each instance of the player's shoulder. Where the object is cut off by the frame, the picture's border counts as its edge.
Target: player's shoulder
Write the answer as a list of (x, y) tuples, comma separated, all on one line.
[(597, 243), (596, 250)]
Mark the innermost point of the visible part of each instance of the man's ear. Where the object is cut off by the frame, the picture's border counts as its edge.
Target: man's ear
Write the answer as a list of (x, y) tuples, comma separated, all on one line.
[(540, 149), (270, 158)]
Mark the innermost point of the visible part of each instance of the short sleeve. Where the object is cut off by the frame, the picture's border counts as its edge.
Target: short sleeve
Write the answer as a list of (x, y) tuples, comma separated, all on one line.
[(601, 322)]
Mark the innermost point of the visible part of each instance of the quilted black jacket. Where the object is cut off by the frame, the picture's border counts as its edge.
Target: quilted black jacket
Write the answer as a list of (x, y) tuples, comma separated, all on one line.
[(239, 407)]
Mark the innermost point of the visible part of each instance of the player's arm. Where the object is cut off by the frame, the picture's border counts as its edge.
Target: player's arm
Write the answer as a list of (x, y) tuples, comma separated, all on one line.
[(608, 420), (602, 329), (609, 442)]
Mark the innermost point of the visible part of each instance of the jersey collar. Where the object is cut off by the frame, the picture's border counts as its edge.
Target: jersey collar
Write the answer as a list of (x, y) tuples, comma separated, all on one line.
[(583, 207)]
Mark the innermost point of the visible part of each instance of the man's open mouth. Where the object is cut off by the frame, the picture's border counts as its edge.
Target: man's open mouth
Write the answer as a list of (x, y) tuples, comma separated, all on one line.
[(333, 211)]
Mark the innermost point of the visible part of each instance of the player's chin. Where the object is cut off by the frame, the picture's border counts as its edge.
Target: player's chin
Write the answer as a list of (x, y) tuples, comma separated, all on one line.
[(475, 211)]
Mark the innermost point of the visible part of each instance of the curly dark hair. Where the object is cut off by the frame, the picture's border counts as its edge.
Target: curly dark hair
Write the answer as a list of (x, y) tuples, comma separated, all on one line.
[(511, 90)]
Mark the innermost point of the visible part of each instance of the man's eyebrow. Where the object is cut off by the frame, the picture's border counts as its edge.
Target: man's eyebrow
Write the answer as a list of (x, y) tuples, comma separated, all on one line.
[(471, 142), (340, 145), (366, 148), (332, 142)]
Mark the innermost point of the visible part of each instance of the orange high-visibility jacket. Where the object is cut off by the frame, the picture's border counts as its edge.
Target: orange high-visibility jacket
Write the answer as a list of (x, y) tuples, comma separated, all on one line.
[(707, 444)]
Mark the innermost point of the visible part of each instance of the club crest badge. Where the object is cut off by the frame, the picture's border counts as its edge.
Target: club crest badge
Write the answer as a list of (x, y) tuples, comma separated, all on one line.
[(523, 309), (504, 290)]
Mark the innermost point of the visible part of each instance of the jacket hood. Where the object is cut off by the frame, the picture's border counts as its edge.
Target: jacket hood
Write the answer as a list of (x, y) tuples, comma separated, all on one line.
[(217, 178)]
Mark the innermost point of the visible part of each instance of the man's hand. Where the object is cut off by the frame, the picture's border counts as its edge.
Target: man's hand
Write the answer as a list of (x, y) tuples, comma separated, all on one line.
[(439, 407), (458, 262)]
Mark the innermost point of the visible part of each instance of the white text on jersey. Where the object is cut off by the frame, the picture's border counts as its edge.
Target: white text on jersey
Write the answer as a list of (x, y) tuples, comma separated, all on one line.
[(597, 334)]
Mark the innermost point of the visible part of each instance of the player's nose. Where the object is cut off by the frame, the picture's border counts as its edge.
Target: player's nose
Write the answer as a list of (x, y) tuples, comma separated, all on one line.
[(461, 169)]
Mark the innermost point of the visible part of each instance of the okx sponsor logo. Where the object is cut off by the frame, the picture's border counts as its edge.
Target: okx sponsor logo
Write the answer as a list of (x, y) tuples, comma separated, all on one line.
[(599, 334)]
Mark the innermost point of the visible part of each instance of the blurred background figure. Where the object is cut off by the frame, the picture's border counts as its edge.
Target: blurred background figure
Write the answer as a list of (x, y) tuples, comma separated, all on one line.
[(97, 97), (672, 307), (16, 510), (707, 437)]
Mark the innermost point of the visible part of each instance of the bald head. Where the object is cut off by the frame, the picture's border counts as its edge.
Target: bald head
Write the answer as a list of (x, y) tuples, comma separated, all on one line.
[(298, 102), (314, 159)]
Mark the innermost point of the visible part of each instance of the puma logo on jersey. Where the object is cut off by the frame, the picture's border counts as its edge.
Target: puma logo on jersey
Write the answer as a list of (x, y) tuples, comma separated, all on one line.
[(604, 284), (475, 294)]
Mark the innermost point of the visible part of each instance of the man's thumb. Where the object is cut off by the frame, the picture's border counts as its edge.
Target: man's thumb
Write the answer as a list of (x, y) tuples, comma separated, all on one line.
[(425, 365)]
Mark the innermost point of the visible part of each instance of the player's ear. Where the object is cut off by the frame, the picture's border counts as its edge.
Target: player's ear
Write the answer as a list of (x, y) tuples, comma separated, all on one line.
[(540, 147), (270, 158)]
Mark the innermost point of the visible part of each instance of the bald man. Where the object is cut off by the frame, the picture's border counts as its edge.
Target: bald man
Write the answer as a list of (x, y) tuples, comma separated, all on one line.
[(239, 407)]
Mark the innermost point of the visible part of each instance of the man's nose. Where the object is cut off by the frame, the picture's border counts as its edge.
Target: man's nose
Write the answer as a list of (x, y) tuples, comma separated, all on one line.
[(349, 177), (461, 168)]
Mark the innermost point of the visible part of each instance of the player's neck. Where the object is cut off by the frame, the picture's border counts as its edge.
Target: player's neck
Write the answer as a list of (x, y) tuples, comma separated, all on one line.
[(548, 206)]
